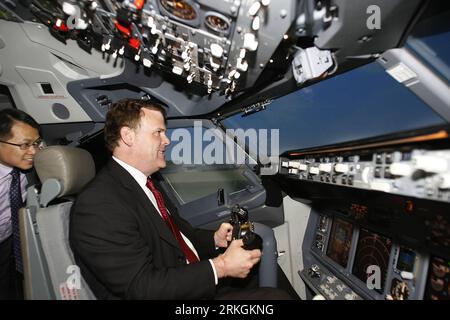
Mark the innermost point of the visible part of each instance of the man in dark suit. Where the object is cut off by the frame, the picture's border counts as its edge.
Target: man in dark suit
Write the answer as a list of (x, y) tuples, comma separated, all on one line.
[(127, 242)]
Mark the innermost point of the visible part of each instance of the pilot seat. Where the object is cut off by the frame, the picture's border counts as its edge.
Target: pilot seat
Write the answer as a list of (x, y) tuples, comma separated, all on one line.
[(50, 271)]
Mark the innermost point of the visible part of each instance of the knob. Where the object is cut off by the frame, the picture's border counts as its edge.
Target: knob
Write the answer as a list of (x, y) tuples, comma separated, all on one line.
[(294, 164), (349, 296), (241, 65), (137, 56), (325, 167), (216, 50), (407, 275), (214, 64), (185, 53), (250, 42), (445, 181), (303, 167), (70, 9), (190, 77), (256, 23), (431, 163), (319, 245), (401, 169), (314, 271), (242, 53), (147, 62), (381, 186), (155, 47), (177, 70), (254, 8), (107, 45), (341, 168), (150, 22)]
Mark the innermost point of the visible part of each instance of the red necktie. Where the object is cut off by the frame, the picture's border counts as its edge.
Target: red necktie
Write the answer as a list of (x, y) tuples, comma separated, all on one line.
[(190, 255)]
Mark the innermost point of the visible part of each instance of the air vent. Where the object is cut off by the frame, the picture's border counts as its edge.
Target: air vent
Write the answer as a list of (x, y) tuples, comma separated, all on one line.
[(47, 88)]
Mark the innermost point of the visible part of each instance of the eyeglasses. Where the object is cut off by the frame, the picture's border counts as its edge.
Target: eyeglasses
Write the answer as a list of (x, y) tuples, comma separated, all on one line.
[(38, 144)]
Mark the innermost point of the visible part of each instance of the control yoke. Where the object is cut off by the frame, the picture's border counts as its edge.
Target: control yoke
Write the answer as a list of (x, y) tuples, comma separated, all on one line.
[(244, 229)]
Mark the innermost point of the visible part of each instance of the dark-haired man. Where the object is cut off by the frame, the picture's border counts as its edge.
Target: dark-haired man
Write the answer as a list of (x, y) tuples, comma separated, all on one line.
[(19, 141), (126, 239)]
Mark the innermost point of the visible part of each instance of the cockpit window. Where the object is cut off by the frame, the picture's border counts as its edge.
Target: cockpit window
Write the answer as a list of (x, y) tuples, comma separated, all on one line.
[(433, 50), (362, 103), (194, 170)]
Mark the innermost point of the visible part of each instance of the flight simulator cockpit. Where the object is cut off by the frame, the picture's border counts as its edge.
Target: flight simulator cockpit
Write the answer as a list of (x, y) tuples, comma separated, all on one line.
[(363, 217)]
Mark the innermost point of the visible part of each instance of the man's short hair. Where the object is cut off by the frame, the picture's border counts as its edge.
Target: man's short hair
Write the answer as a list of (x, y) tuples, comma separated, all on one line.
[(126, 113), (9, 116)]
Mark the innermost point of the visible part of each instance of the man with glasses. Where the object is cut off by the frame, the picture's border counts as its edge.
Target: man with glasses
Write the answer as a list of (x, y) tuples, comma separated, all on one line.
[(19, 141)]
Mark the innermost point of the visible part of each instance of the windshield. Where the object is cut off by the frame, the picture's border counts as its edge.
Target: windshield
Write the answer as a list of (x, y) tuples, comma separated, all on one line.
[(362, 103)]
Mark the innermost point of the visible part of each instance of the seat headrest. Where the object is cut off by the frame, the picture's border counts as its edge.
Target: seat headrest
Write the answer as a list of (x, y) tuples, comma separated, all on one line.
[(72, 167)]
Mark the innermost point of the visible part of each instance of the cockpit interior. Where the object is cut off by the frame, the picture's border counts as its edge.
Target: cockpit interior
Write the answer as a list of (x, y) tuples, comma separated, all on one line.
[(327, 120)]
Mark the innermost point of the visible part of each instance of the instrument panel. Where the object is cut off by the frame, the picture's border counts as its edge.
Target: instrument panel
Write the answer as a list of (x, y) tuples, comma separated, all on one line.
[(379, 226), (348, 262), (396, 167), (180, 9), (213, 45), (438, 282)]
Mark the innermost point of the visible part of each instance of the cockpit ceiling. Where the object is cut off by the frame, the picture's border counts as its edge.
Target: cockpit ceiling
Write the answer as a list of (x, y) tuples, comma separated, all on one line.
[(200, 58)]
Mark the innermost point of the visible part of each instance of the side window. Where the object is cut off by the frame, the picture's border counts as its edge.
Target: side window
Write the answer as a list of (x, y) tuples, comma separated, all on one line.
[(429, 42), (199, 163)]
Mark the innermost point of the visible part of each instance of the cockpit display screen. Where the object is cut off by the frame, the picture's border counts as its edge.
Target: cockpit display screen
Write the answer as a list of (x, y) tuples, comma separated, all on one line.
[(406, 259), (438, 283), (372, 254), (340, 242)]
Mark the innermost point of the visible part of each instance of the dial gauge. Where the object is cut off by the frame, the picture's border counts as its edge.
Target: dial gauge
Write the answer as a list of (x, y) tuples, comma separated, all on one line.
[(180, 9), (372, 250), (399, 290), (217, 22)]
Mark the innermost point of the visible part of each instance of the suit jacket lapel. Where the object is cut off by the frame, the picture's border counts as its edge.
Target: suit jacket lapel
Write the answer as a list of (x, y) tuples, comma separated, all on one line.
[(150, 211)]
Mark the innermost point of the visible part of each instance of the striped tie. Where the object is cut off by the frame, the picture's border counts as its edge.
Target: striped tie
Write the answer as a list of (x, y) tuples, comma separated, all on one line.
[(15, 200)]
